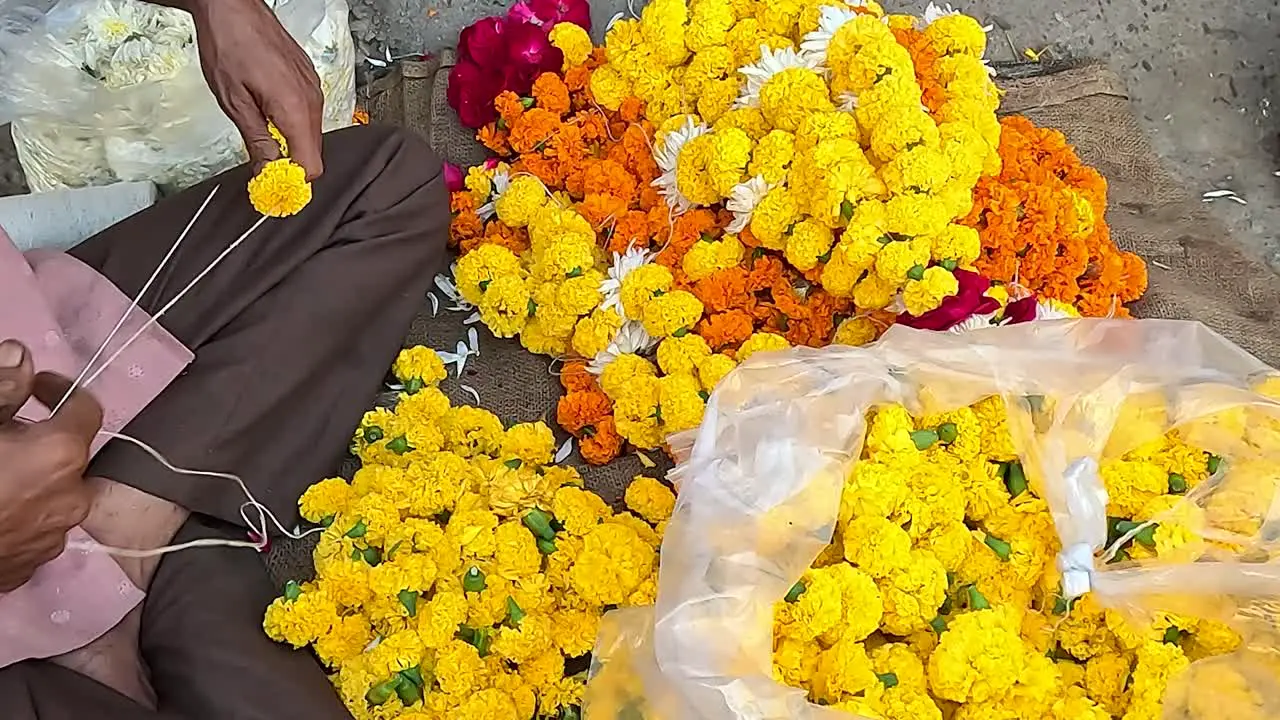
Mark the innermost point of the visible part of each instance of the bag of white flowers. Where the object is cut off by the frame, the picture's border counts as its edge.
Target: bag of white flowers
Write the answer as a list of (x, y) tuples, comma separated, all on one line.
[(104, 91), (1062, 520)]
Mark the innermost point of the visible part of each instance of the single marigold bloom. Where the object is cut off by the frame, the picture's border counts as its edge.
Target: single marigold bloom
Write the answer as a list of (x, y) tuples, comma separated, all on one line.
[(551, 94), (533, 130), (602, 443), (464, 227), (631, 109), (724, 290), (726, 329), (280, 189), (494, 139), (509, 106), (582, 408), (630, 230), (575, 378), (577, 78)]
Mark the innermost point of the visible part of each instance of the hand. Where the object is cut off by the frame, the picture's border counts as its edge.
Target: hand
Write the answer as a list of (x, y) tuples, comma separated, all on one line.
[(258, 73), (42, 488)]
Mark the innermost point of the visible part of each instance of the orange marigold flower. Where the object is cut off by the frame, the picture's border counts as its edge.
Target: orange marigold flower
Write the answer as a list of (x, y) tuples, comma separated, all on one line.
[(462, 202), (509, 106), (580, 409), (544, 168), (551, 94), (602, 443), (574, 377), (601, 210), (726, 329), (494, 139), (630, 230), (577, 78), (725, 290), (631, 109), (533, 130), (607, 177), (463, 227)]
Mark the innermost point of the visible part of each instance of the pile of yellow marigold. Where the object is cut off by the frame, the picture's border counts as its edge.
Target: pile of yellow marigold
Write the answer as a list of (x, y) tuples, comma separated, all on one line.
[(460, 569), (940, 596)]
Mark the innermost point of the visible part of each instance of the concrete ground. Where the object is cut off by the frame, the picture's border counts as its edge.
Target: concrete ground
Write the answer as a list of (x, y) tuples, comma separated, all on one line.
[(1205, 80)]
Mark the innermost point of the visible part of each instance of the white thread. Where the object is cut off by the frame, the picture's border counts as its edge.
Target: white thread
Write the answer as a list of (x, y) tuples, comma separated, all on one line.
[(169, 305), (134, 303)]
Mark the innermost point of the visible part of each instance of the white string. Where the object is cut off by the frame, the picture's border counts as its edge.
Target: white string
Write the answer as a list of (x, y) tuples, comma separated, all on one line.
[(134, 303), (169, 305)]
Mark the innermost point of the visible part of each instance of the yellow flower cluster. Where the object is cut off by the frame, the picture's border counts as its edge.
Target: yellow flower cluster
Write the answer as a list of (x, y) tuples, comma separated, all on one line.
[(460, 568), (281, 187), (939, 595), (550, 297)]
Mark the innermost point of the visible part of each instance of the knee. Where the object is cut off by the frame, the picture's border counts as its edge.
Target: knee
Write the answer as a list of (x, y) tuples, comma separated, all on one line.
[(402, 157)]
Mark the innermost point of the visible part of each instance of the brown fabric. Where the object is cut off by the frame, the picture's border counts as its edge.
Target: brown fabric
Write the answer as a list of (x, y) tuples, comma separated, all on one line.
[(202, 639), (1196, 271), (293, 332)]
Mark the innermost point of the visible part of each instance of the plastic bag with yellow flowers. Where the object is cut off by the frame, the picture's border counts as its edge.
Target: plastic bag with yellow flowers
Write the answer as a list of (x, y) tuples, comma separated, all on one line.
[(1056, 520)]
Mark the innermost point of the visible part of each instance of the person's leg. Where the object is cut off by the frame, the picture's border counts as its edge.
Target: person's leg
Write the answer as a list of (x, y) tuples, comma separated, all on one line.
[(292, 332), (36, 690), (202, 638)]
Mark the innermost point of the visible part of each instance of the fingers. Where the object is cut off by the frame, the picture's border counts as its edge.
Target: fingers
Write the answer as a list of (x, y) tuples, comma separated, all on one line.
[(81, 415), (299, 119), (16, 378), (252, 124)]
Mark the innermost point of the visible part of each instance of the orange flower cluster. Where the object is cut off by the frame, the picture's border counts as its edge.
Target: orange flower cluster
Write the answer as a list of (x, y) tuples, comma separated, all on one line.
[(585, 412), (1042, 223)]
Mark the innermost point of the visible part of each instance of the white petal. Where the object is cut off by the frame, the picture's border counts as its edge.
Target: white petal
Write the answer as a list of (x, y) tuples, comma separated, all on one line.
[(435, 304), (474, 394), (565, 450), (475, 340), (472, 319)]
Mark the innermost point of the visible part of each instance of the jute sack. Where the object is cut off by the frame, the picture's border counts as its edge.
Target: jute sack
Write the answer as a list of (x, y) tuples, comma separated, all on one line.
[(1195, 270)]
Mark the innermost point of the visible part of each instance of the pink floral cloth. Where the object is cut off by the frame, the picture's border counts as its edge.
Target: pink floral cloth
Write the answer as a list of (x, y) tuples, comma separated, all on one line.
[(62, 310)]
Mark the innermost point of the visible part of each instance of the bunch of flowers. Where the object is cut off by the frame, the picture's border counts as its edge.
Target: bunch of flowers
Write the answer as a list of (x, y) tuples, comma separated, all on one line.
[(939, 595), (461, 570), (506, 53), (1042, 225)]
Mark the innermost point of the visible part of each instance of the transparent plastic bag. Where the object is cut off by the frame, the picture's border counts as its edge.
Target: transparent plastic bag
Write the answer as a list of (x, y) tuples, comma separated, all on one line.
[(761, 479), (103, 91)]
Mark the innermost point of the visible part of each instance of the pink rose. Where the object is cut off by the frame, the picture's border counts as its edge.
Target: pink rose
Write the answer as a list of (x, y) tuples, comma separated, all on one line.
[(549, 13), (484, 42), (471, 92), (529, 48), (969, 301), (453, 177), (1020, 311)]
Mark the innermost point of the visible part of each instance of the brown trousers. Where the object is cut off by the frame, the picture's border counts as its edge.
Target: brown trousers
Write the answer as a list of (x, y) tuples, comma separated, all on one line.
[(293, 333)]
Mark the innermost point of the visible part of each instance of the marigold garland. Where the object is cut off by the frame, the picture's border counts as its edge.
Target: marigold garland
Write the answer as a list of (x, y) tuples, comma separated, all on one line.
[(460, 569)]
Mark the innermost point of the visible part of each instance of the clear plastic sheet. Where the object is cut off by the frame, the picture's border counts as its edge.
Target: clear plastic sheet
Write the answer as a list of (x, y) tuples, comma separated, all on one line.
[(102, 91), (760, 483)]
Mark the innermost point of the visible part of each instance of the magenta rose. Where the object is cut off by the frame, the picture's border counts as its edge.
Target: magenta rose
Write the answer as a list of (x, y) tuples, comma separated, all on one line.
[(531, 52), (549, 13), (471, 92), (453, 178), (484, 43), (1020, 311), (970, 300)]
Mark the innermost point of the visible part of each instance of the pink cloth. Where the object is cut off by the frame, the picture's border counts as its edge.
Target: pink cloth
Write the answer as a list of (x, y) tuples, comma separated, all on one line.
[(62, 310)]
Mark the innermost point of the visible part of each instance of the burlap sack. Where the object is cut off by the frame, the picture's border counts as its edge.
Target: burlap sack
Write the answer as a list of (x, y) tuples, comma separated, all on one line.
[(1195, 270)]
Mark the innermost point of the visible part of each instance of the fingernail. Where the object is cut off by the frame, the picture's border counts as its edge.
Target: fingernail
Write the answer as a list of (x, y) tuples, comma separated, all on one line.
[(11, 354)]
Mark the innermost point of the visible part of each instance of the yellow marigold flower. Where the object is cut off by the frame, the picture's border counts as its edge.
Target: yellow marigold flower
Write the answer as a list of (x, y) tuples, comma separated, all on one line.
[(777, 211), (593, 333), (795, 661), (613, 563), (459, 669), (956, 34), (855, 331), (671, 312), (439, 619), (526, 639), (843, 669), (761, 342), (829, 125), (580, 294), (641, 286), (935, 285), (772, 156), (715, 100), (408, 571), (280, 189), (579, 511), (325, 499), (399, 651), (424, 407), (421, 364), (916, 215), (1158, 662), (876, 546), (480, 183), (978, 658), (912, 595), (808, 243), (622, 371), (709, 23), (480, 267), (860, 602), (750, 120), (533, 443), (713, 368), (524, 199), (902, 661), (1077, 707), (875, 61), (710, 255), (504, 307), (1131, 485), (839, 276), (636, 412), (901, 128), (345, 640), (860, 32), (302, 619), (572, 41), (958, 243), (576, 630), (650, 499), (470, 431), (789, 96), (555, 224), (345, 580), (680, 404), (682, 354), (917, 169)]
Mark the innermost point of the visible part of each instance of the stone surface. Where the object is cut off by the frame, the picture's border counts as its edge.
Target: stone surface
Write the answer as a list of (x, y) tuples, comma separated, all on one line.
[(1203, 77)]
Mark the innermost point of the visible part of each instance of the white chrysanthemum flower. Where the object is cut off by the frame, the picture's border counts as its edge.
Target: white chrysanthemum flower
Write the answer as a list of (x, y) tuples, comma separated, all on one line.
[(623, 265), (667, 154), (501, 181), (830, 19), (743, 200), (974, 322), (632, 339), (771, 63)]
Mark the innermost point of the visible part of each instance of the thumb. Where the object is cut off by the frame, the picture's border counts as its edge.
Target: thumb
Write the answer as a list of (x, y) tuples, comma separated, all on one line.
[(17, 378)]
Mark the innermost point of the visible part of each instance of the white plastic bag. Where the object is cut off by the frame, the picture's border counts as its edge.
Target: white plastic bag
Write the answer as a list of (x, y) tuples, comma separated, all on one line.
[(103, 91), (761, 480)]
